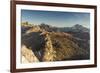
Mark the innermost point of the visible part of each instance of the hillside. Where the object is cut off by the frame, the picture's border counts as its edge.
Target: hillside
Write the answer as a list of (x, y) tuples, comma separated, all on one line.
[(47, 43)]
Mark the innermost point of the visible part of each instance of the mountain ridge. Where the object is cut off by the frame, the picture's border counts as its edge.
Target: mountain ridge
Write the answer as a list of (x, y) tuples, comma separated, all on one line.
[(50, 44)]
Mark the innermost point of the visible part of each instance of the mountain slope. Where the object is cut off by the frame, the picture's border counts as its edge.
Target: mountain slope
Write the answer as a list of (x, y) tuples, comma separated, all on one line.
[(66, 47), (46, 44), (55, 47)]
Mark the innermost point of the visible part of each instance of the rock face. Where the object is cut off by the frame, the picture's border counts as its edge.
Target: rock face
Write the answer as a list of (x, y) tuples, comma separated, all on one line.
[(49, 51), (40, 45), (27, 55)]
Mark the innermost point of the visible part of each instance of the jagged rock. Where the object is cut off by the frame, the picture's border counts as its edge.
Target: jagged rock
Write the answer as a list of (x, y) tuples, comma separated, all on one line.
[(34, 29), (48, 53), (24, 60), (27, 55)]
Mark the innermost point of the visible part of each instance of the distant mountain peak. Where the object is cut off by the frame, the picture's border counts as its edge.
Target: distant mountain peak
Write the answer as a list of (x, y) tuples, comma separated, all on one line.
[(78, 26)]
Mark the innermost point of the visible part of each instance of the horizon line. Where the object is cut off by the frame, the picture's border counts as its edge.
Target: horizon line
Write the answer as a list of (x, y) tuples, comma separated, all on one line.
[(53, 25)]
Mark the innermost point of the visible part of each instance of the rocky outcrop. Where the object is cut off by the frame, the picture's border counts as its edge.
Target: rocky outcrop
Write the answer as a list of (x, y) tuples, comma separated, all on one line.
[(27, 55), (49, 50)]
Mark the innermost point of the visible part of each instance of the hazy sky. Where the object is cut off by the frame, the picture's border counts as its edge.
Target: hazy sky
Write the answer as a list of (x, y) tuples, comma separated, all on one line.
[(55, 18)]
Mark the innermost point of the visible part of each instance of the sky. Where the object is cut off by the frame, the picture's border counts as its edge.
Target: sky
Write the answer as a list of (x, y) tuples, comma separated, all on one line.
[(55, 18)]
